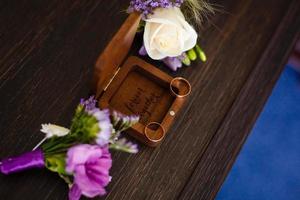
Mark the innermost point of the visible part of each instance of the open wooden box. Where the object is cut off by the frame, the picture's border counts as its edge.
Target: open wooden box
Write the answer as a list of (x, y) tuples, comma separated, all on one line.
[(132, 86)]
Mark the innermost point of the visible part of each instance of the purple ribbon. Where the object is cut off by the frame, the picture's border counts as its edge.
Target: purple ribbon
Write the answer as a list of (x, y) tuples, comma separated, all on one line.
[(29, 160)]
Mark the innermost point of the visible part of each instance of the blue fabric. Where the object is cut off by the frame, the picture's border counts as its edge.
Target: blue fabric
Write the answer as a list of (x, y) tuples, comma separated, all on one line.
[(268, 167)]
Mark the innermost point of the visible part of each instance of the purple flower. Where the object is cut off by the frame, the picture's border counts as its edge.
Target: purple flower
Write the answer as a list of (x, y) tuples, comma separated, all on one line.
[(105, 126), (102, 116), (90, 165), (146, 7), (124, 145), (173, 63), (122, 122), (89, 104)]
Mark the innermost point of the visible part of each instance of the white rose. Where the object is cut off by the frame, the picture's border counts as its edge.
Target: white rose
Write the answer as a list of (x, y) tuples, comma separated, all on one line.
[(168, 34)]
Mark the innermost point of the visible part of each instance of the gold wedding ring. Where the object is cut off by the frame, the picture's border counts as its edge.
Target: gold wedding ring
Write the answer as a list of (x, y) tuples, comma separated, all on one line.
[(154, 131), (180, 87)]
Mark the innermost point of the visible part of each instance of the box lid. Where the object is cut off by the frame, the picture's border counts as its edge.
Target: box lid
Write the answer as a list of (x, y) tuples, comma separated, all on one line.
[(114, 54)]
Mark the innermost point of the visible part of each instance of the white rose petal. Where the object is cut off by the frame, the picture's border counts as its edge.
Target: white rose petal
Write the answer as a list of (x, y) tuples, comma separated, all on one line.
[(167, 34), (53, 130)]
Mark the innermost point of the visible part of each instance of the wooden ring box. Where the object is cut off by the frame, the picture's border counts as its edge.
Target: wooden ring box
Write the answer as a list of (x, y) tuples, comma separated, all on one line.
[(134, 87)]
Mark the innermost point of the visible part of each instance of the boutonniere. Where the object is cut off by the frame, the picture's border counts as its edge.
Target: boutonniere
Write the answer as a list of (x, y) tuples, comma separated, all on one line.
[(168, 35), (81, 154)]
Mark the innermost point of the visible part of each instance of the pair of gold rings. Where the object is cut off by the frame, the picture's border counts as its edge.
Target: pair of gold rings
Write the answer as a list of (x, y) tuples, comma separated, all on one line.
[(180, 87)]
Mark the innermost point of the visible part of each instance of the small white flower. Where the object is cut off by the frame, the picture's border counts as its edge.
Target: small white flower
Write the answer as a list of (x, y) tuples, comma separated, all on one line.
[(53, 130)]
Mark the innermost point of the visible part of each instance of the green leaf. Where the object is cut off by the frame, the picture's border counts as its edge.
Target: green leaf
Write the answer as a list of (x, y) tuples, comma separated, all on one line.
[(56, 163)]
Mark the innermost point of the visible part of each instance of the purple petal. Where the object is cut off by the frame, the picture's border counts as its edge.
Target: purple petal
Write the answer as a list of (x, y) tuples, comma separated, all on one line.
[(89, 103), (89, 186), (74, 193), (90, 165), (105, 126), (173, 63), (80, 154), (143, 51)]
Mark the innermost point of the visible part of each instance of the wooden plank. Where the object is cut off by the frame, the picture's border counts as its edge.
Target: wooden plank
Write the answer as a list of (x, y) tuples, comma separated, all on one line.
[(222, 151)]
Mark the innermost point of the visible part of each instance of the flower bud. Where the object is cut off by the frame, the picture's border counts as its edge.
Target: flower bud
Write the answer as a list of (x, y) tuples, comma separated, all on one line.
[(200, 53), (192, 54)]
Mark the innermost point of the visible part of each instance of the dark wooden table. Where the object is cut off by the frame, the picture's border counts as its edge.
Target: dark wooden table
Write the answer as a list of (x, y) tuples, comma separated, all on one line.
[(47, 53)]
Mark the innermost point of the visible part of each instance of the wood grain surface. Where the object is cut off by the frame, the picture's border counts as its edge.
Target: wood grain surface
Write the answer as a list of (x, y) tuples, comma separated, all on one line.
[(47, 54)]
